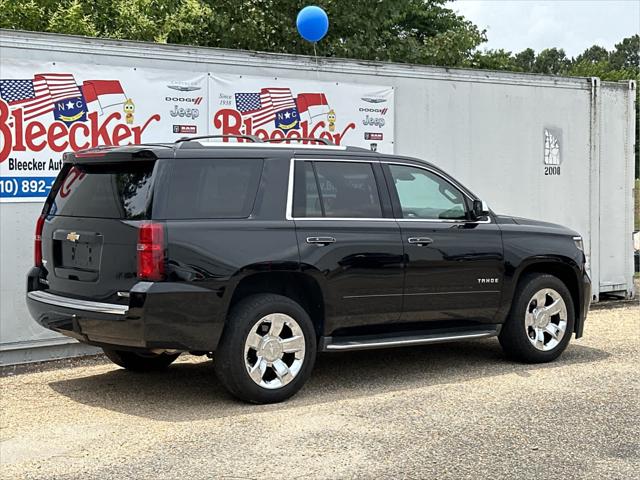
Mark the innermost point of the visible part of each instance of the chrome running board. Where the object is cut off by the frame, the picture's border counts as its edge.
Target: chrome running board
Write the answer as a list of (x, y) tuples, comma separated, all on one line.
[(404, 339)]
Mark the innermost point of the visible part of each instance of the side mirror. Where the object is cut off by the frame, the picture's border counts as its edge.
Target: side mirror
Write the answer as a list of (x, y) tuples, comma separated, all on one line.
[(480, 210)]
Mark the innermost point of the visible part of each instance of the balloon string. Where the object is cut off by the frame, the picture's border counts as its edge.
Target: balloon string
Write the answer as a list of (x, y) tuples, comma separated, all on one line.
[(315, 55)]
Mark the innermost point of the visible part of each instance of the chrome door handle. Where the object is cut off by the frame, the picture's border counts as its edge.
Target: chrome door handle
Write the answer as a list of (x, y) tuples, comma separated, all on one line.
[(321, 240), (419, 241)]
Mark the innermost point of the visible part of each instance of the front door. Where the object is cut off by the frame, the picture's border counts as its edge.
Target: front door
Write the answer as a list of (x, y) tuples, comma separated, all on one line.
[(349, 240), (454, 266)]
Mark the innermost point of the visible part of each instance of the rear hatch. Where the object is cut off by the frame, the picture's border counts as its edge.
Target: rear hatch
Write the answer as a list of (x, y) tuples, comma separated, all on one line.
[(90, 229)]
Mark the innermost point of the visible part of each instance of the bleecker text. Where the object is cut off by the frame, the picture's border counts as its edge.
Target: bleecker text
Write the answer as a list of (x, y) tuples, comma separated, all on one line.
[(27, 165), (230, 122), (34, 136)]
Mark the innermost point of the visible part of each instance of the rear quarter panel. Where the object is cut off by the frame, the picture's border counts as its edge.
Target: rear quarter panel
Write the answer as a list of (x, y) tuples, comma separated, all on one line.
[(215, 254)]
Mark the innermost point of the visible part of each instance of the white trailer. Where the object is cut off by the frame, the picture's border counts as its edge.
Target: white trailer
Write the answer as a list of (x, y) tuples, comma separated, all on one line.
[(550, 148)]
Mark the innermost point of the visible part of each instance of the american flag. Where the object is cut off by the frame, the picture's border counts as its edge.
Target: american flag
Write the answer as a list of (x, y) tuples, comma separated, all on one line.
[(38, 96), (262, 107)]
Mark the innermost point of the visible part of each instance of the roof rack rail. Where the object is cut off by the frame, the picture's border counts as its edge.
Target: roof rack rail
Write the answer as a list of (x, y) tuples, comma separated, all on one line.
[(324, 141), (165, 145), (253, 138)]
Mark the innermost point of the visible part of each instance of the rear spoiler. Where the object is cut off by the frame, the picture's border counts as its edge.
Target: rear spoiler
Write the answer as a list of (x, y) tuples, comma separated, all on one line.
[(110, 155)]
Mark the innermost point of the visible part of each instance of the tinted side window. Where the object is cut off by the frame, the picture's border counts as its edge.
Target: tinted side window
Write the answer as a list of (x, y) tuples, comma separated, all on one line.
[(348, 190), (212, 188), (306, 199), (423, 194)]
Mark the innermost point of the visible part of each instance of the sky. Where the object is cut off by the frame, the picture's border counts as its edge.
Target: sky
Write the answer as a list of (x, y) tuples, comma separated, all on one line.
[(573, 25)]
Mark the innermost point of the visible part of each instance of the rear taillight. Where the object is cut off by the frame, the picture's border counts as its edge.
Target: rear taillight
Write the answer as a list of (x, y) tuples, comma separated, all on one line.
[(151, 251), (37, 244)]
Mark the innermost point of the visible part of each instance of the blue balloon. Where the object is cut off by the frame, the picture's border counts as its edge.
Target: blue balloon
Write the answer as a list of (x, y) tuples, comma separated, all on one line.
[(312, 23)]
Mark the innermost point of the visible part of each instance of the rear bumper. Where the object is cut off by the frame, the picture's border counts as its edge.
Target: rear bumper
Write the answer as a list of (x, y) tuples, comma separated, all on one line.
[(162, 315), (43, 296)]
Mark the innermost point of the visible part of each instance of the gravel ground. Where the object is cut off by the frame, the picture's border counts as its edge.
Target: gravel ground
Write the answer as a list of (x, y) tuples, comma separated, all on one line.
[(444, 411)]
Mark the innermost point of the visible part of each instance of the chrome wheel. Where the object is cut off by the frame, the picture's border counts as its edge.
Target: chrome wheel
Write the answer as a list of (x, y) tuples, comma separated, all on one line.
[(546, 319), (274, 350)]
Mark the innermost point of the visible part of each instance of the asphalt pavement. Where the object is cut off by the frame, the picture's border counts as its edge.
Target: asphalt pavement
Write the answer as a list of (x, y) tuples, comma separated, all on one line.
[(443, 411)]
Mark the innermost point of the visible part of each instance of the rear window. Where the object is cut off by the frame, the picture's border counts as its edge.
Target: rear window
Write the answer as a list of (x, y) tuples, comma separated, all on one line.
[(122, 191), (211, 188)]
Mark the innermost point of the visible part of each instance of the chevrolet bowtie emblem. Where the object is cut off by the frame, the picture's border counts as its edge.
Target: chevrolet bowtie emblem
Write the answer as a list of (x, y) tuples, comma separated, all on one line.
[(73, 236)]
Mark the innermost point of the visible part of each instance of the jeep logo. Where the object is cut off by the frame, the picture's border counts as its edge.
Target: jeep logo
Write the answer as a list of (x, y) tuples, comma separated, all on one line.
[(373, 121), (195, 101), (184, 112)]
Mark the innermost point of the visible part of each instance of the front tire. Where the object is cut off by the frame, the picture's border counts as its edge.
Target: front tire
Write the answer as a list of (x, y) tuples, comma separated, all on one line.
[(541, 320), (140, 362), (267, 350)]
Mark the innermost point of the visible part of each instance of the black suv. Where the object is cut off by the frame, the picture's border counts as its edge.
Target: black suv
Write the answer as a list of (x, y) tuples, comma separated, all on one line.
[(266, 253)]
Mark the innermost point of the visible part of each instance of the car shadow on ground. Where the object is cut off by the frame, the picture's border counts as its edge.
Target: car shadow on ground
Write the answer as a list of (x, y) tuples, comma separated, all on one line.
[(191, 391)]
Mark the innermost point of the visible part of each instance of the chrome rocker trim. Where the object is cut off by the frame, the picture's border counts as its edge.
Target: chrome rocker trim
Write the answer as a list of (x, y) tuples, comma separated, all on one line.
[(331, 344), (85, 305)]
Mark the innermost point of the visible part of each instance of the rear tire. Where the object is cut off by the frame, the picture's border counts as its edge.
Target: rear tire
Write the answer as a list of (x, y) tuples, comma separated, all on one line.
[(541, 320), (140, 362), (267, 349)]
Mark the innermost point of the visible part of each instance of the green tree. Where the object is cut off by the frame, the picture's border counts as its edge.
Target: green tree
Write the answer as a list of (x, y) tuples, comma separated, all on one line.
[(595, 54), (493, 60), (418, 31), (626, 54), (28, 15), (72, 19), (552, 61), (525, 60), (602, 70)]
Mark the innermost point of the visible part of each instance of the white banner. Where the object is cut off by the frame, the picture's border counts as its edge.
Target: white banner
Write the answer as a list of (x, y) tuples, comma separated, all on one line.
[(46, 110), (49, 109), (268, 107)]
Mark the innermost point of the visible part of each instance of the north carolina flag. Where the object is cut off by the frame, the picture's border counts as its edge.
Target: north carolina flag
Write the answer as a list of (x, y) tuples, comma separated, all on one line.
[(312, 105), (106, 92), (38, 96)]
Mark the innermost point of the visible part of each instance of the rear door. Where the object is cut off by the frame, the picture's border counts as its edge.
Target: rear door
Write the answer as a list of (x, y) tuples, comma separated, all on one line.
[(455, 266), (348, 238), (90, 232)]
